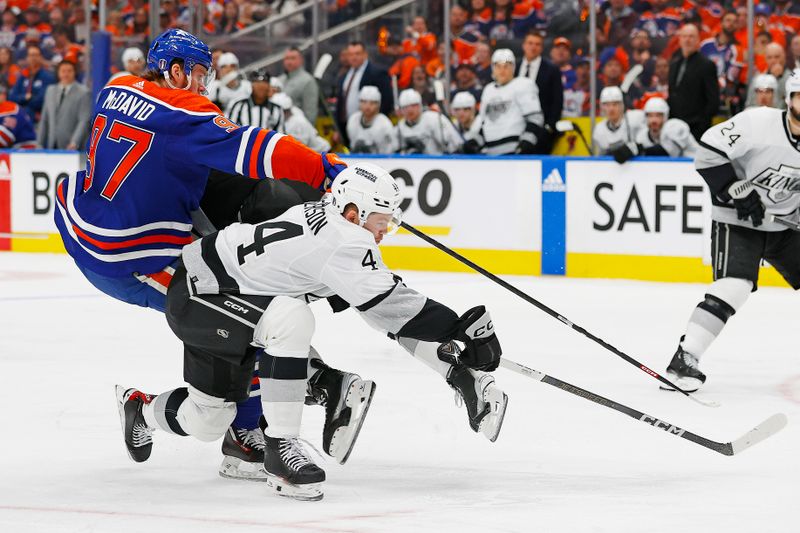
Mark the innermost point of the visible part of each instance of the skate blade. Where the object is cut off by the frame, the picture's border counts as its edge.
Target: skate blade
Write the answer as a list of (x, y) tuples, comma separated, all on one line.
[(359, 398), (491, 424), (688, 384), (311, 492), (235, 468), (120, 391)]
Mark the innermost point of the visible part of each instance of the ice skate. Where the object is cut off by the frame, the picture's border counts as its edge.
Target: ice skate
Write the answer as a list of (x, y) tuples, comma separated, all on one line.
[(137, 434), (486, 404), (290, 471), (346, 398), (683, 371), (243, 454)]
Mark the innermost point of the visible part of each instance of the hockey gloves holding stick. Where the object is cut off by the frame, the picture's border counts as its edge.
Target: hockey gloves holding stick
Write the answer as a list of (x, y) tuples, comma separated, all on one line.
[(746, 200), (481, 348)]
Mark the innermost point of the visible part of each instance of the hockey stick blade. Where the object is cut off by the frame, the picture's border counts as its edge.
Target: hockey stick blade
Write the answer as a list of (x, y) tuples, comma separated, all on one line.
[(322, 65), (791, 224), (542, 307), (766, 429)]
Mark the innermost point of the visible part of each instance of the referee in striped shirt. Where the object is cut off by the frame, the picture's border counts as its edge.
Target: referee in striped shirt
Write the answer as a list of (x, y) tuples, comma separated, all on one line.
[(257, 110)]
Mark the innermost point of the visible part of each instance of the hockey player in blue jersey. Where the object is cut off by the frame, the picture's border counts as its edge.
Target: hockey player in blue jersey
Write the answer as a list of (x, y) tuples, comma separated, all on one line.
[(16, 128), (154, 141)]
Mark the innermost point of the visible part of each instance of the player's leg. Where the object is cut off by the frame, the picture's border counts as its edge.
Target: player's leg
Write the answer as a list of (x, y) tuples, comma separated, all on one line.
[(346, 398), (783, 252), (736, 254), (284, 332), (485, 402)]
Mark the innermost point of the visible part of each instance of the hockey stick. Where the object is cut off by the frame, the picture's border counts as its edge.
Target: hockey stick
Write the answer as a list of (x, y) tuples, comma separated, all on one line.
[(319, 70), (791, 224), (438, 91), (542, 307), (763, 431)]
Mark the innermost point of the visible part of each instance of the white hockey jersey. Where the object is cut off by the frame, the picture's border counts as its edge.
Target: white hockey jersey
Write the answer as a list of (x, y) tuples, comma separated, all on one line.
[(675, 137), (375, 138), (298, 126), (226, 96), (605, 137), (506, 112), (758, 144), (309, 252), (432, 134)]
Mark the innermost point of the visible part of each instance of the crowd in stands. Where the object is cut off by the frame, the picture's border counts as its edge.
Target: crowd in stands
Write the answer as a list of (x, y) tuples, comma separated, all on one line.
[(689, 53)]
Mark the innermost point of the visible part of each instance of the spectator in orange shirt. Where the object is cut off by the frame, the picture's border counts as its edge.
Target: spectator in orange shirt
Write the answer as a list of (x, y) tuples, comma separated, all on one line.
[(421, 41), (480, 14), (9, 72), (464, 38), (64, 48), (33, 20), (786, 15), (405, 61)]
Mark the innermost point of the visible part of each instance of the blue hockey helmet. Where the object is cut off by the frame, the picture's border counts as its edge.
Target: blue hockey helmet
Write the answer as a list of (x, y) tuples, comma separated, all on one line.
[(179, 44)]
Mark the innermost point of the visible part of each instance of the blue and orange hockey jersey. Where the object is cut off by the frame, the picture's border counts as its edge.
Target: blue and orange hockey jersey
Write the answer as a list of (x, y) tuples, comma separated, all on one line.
[(149, 153), (16, 128)]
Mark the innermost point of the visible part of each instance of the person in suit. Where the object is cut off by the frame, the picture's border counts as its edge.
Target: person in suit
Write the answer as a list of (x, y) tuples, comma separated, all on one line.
[(361, 73), (693, 85), (547, 77), (66, 111)]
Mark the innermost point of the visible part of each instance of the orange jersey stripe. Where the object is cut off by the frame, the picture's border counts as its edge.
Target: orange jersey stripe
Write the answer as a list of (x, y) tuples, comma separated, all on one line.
[(175, 97), (254, 153)]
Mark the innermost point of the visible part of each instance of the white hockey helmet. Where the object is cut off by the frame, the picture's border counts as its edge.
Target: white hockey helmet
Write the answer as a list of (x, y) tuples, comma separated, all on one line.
[(765, 82), (463, 100), (276, 83), (792, 86), (369, 93), (226, 59), (282, 100), (503, 55), (409, 97), (657, 105), (371, 189), (132, 54), (610, 94)]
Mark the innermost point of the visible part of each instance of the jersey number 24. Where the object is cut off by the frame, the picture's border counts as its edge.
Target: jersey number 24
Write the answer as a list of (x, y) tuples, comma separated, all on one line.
[(140, 142)]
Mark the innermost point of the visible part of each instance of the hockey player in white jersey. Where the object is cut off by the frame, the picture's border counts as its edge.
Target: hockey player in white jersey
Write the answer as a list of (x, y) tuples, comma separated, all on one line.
[(423, 131), (467, 122), (751, 164), (616, 135), (511, 117), (248, 286), (764, 88), (663, 135), (369, 130), (297, 125), (230, 86)]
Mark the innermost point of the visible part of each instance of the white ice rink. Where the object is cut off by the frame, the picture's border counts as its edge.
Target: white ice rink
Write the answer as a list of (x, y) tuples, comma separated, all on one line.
[(561, 464)]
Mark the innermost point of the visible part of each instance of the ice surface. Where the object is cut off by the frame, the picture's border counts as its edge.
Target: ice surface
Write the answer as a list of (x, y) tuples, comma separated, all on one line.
[(561, 464)]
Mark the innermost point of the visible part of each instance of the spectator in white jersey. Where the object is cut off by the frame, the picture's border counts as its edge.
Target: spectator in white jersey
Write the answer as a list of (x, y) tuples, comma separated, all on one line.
[(764, 87), (297, 125), (423, 131), (616, 135), (229, 85), (257, 109), (464, 110), (663, 135), (369, 130)]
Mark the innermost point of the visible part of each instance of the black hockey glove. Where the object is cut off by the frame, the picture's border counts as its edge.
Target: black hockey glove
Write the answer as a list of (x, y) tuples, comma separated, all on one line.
[(625, 152), (747, 202), (525, 147), (471, 146), (481, 348)]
